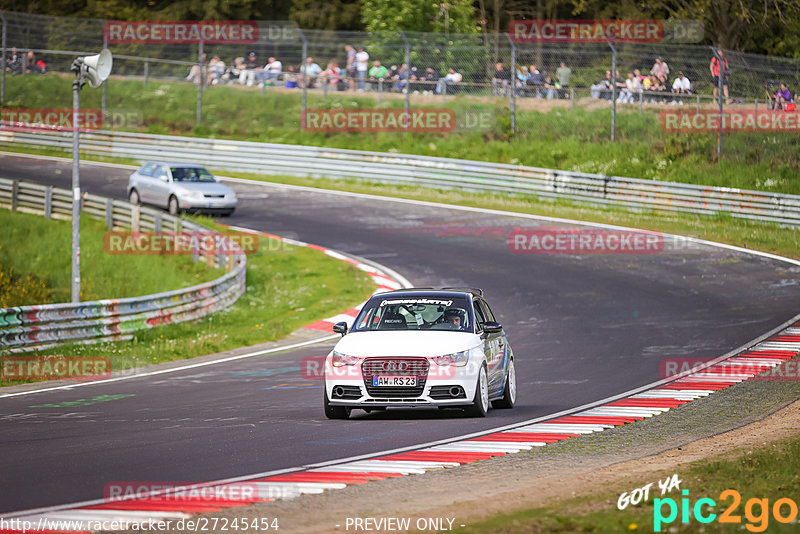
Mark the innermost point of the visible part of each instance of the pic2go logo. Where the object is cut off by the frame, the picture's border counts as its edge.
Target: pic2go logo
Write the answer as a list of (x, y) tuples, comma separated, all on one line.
[(756, 511)]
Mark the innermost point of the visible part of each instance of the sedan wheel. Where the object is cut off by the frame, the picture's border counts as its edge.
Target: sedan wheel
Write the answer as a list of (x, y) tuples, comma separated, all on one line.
[(133, 197), (335, 412), (480, 403), (173, 207)]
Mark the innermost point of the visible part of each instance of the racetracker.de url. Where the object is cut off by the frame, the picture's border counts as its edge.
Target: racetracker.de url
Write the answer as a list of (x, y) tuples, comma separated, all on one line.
[(147, 524)]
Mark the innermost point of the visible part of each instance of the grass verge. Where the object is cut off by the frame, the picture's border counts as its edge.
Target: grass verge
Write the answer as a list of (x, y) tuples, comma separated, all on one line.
[(769, 473), (287, 288), (547, 136), (36, 256)]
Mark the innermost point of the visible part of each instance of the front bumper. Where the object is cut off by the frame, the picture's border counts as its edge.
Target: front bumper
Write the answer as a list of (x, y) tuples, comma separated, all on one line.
[(207, 204)]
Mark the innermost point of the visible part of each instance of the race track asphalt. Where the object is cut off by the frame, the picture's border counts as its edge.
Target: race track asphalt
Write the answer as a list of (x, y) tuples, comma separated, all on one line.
[(583, 327)]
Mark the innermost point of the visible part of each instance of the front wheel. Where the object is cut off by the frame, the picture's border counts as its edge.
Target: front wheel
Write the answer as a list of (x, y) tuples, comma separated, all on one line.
[(172, 206), (133, 197), (509, 388), (480, 403), (335, 412)]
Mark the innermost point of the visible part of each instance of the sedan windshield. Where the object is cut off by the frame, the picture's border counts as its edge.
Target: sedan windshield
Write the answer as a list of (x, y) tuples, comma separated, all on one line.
[(415, 313), (191, 174)]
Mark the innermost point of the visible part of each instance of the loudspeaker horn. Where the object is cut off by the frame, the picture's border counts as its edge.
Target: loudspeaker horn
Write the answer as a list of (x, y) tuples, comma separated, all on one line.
[(98, 67)]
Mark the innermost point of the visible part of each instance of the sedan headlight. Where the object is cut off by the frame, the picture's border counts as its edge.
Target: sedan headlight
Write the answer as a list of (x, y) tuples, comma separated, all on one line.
[(339, 359), (458, 359), (195, 195)]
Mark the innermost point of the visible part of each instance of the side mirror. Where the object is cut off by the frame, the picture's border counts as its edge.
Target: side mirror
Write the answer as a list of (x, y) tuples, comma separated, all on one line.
[(340, 328), (491, 327), (164, 178)]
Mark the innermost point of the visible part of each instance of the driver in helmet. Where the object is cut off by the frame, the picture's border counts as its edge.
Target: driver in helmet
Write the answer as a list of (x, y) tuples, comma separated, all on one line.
[(454, 316)]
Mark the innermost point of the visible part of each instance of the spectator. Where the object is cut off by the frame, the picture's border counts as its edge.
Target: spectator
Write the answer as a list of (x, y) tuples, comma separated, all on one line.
[(660, 68), (451, 78), (429, 79), (310, 71), (536, 81), (563, 74), (681, 86), (332, 73), (715, 79), (362, 65), (550, 87), (602, 89), (195, 72), (272, 70), (523, 75), (291, 77), (14, 62), (251, 71), (632, 87), (350, 66), (401, 78), (501, 79), (378, 73), (620, 84), (216, 68), (650, 85), (782, 96), (640, 76)]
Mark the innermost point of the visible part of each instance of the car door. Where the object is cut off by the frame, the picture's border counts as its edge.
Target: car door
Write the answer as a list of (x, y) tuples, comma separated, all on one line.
[(142, 181), (494, 347), (161, 186)]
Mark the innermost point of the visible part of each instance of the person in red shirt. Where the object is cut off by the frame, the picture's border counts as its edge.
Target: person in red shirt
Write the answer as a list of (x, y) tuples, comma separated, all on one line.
[(714, 68)]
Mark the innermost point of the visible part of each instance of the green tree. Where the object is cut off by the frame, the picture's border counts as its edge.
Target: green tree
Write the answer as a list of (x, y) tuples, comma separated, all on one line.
[(438, 16), (327, 14)]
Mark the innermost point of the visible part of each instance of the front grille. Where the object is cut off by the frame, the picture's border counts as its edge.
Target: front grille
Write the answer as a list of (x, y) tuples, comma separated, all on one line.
[(395, 367), (443, 392), (348, 392), (213, 196)]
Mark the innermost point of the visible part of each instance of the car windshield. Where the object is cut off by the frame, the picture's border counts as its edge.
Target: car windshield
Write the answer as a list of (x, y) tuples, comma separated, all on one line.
[(191, 174), (415, 313)]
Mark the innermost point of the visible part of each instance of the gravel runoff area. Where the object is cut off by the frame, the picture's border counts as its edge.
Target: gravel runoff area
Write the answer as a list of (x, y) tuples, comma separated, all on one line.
[(747, 415)]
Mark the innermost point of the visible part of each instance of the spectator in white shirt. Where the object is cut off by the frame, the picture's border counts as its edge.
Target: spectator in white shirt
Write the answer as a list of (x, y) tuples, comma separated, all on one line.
[(362, 66), (452, 77), (681, 85), (632, 87), (272, 70)]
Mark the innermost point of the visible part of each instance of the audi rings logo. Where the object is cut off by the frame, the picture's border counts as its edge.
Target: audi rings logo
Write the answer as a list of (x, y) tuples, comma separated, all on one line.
[(399, 367)]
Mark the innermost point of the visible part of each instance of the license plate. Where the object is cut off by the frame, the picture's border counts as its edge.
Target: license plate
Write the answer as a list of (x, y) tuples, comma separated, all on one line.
[(210, 204), (378, 381)]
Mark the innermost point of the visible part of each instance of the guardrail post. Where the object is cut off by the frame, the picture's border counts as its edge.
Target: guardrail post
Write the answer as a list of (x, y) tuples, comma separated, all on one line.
[(48, 201), (146, 72), (613, 91), (157, 222), (571, 99), (135, 214), (3, 61), (698, 102), (14, 193), (513, 84), (109, 214)]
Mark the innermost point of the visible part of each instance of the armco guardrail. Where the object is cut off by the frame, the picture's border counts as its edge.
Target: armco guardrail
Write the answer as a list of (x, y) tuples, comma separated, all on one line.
[(31, 327), (268, 158)]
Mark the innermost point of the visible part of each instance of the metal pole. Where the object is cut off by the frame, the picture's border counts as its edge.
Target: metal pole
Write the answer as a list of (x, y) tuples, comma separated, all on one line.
[(199, 114), (613, 91), (721, 73), (3, 84), (76, 185), (305, 88), (513, 84), (105, 89), (146, 72), (408, 71)]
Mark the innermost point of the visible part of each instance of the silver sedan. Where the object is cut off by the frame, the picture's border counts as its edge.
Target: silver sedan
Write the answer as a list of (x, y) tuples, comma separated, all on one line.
[(180, 187)]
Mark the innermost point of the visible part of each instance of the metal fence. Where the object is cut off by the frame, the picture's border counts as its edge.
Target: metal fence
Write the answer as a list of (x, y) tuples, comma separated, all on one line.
[(305, 161), (531, 76), (25, 328)]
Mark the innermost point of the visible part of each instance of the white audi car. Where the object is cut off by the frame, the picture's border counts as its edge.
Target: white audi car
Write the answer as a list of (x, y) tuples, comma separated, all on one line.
[(421, 347)]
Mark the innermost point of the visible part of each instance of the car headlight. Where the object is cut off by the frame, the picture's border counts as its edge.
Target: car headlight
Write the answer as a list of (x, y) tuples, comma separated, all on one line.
[(339, 359), (196, 195), (458, 359)]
